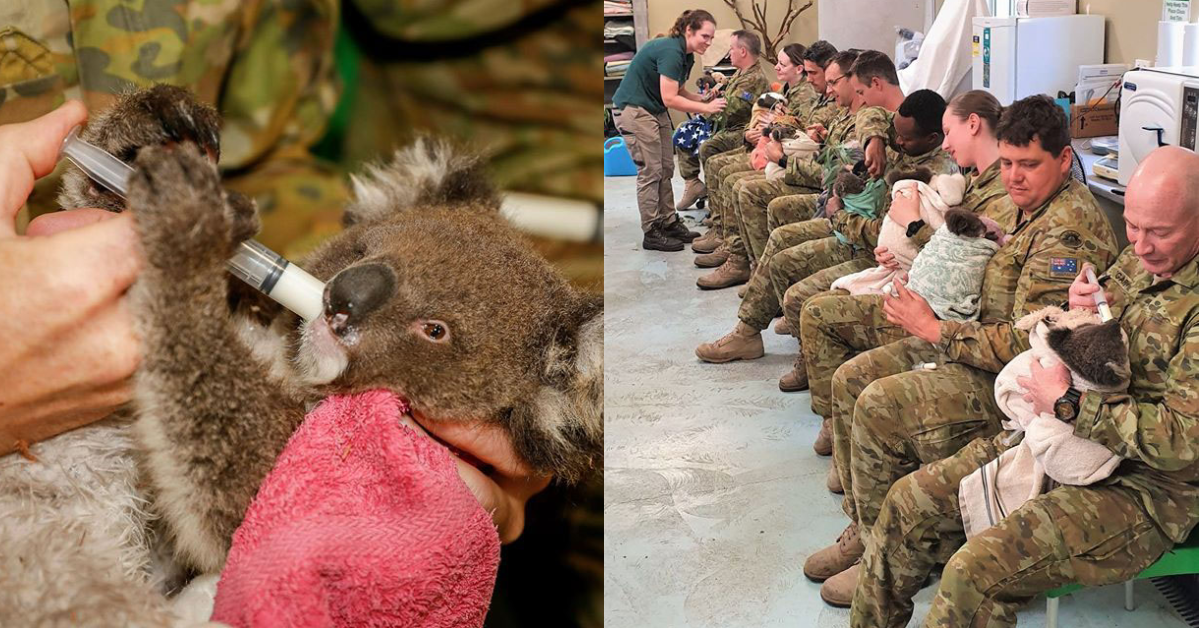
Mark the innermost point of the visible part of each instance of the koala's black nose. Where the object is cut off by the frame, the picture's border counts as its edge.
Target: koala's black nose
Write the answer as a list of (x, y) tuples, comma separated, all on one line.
[(356, 292)]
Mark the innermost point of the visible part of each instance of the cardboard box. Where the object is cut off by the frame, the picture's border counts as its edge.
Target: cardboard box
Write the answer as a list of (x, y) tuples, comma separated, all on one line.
[(1093, 121), (1045, 8)]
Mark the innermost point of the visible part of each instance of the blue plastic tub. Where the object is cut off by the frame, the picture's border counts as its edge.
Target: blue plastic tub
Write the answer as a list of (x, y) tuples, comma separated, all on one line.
[(617, 161)]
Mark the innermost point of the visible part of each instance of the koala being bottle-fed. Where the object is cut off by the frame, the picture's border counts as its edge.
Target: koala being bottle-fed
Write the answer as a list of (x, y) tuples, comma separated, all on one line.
[(253, 263)]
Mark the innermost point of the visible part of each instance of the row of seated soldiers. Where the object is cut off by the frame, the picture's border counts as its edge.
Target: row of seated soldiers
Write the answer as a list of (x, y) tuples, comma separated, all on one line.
[(791, 233)]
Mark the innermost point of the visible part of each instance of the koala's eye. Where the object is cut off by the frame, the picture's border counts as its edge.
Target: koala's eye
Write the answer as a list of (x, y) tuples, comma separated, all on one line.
[(436, 331)]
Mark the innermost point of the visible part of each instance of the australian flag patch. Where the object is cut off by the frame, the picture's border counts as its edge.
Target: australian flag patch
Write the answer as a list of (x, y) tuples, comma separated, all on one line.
[(746, 96), (1063, 266)]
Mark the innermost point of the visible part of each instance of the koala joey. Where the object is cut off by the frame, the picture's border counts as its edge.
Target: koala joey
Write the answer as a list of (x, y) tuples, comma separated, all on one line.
[(429, 294)]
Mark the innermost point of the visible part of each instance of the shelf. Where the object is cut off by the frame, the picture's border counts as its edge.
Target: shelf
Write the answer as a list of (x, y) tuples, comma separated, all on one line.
[(608, 15), (611, 41), (613, 78)]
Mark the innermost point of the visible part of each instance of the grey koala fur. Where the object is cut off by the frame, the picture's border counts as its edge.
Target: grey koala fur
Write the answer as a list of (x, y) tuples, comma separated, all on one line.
[(227, 376)]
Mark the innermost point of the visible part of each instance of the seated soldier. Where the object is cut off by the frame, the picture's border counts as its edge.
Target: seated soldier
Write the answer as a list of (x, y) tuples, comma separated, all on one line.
[(728, 125), (888, 419), (795, 255), (808, 102), (1093, 535), (969, 126)]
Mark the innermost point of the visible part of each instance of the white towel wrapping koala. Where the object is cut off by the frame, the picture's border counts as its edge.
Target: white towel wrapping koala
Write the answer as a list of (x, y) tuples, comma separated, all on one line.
[(937, 194), (799, 147), (1097, 355)]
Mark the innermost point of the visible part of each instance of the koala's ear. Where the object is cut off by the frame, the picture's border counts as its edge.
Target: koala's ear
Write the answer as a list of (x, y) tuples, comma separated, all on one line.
[(427, 172), (561, 429)]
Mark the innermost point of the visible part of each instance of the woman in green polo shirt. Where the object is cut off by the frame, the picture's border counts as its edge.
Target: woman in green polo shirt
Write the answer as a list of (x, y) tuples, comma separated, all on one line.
[(653, 83)]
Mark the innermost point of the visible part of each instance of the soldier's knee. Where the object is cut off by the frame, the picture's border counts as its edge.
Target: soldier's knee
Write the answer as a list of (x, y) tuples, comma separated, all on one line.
[(969, 569), (899, 506)]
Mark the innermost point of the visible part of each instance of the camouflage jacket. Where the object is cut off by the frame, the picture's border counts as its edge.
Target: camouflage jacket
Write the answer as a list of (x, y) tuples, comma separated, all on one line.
[(1043, 254), (824, 111), (809, 173), (741, 93), (984, 195), (800, 100), (1155, 425)]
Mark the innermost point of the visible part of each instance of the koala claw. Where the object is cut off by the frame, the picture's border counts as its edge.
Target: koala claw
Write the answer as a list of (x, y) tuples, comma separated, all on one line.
[(179, 206)]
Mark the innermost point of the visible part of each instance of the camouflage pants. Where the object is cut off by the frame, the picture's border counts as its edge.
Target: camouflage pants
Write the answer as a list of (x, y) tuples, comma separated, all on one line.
[(752, 198), (812, 252), (723, 141), (793, 208), (888, 420), (833, 328), (724, 170), (795, 296), (1093, 535)]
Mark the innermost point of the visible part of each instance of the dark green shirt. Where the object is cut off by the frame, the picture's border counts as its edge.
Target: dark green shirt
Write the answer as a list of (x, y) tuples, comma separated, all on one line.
[(641, 87)]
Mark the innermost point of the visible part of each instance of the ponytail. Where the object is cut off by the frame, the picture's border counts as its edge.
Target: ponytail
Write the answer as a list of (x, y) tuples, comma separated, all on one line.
[(979, 103)]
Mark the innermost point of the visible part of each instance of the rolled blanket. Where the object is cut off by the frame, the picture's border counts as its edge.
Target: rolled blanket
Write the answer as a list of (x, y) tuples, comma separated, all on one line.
[(362, 522), (933, 205), (948, 273), (1049, 447), (798, 147)]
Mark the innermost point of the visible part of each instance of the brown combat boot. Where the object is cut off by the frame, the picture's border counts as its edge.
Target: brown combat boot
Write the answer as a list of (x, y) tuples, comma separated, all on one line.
[(833, 481), (692, 192), (838, 590), (837, 557), (715, 259), (707, 243), (707, 221), (743, 343), (824, 440), (797, 378), (783, 328), (734, 271)]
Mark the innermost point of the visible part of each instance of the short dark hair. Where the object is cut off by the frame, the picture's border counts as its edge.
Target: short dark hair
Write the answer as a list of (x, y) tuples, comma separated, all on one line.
[(844, 60), (1036, 116), (751, 41), (821, 53), (926, 107), (872, 64)]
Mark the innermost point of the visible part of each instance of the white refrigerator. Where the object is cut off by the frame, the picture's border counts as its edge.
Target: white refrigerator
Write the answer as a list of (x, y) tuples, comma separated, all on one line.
[(1016, 57)]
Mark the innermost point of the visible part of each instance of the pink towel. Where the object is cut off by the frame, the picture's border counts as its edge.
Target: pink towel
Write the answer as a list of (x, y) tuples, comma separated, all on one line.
[(620, 56), (362, 522)]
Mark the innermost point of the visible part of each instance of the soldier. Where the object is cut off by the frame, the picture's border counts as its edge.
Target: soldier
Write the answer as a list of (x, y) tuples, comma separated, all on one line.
[(969, 142), (654, 82), (729, 125), (801, 97), (803, 176), (1094, 535), (888, 419)]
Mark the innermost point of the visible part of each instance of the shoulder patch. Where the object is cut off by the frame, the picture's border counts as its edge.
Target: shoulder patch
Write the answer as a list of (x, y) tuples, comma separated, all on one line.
[(1072, 239), (746, 96), (1063, 266)]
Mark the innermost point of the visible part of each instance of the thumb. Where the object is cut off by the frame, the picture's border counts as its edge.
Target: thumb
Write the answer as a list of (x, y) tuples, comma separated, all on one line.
[(29, 151)]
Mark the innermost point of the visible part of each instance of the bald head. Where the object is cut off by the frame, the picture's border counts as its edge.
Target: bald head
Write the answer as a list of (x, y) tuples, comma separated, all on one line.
[(1161, 209)]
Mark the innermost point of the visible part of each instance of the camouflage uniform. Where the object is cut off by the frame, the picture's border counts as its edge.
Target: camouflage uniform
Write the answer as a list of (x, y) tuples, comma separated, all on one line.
[(984, 195), (728, 126), (810, 267), (92, 50), (886, 419), (1099, 534), (801, 101), (752, 196)]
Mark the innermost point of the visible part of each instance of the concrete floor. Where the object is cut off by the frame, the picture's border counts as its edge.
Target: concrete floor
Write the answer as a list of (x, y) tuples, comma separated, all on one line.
[(713, 497)]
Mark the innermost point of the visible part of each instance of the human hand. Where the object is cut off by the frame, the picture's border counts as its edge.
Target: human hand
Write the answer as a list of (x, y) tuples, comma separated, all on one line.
[(911, 312), (69, 347), (753, 135), (715, 106), (832, 206), (885, 258), (876, 157), (489, 465), (774, 151), (904, 208), (817, 132), (1044, 386), (1082, 291)]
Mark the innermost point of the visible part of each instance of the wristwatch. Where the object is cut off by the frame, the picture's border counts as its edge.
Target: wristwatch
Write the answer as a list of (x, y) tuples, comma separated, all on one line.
[(914, 227), (1066, 407), (783, 161)]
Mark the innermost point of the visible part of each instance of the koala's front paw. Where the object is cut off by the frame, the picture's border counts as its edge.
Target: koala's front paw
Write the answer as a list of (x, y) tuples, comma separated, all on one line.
[(180, 209)]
